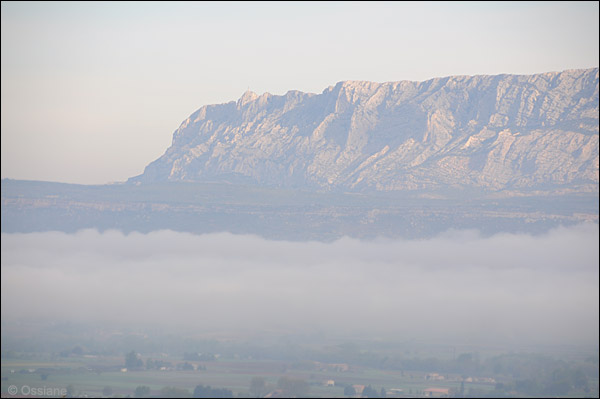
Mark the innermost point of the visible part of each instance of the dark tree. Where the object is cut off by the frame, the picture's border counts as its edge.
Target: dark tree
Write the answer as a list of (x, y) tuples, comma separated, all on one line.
[(185, 366), (141, 391), (258, 387), (107, 391), (78, 350), (132, 361), (369, 392), (194, 356), (293, 387), (174, 392), (202, 391)]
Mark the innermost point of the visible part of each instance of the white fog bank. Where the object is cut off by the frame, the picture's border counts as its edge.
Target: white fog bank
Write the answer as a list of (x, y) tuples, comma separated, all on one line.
[(458, 287)]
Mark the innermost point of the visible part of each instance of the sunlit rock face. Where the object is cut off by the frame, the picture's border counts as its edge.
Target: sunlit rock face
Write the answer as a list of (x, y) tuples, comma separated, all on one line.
[(506, 132)]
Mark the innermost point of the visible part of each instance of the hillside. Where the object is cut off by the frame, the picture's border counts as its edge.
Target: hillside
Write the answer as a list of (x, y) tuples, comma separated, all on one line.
[(510, 133)]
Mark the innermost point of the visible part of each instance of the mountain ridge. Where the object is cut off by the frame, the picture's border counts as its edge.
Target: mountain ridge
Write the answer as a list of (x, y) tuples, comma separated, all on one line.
[(494, 132)]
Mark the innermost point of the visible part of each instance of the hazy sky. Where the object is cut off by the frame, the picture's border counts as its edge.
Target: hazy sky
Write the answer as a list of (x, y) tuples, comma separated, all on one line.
[(534, 290), (91, 92)]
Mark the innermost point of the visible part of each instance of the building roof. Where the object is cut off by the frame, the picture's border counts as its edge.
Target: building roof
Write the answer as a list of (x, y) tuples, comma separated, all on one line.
[(437, 390)]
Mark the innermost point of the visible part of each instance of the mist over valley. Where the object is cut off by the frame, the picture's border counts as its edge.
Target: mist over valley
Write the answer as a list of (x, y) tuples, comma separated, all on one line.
[(401, 239)]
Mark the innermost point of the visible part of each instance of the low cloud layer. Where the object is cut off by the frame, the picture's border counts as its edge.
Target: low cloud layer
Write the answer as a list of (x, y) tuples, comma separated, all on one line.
[(457, 287)]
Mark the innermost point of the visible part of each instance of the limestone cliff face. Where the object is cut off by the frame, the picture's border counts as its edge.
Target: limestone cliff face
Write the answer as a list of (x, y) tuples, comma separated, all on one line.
[(504, 132)]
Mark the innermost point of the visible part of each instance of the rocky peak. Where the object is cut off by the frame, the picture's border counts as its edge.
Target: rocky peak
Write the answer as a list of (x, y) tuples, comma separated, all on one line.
[(502, 132), (246, 98)]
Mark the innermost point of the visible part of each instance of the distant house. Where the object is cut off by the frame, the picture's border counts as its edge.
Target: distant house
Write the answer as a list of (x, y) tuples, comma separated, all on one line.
[(436, 392), (278, 393), (341, 367), (358, 389), (338, 367), (434, 376), (394, 393)]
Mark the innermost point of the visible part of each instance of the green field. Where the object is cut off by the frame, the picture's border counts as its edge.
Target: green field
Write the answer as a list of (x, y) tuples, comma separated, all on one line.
[(231, 374)]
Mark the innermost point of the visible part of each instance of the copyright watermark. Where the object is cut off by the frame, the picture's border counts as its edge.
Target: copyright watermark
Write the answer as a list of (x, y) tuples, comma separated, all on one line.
[(26, 390)]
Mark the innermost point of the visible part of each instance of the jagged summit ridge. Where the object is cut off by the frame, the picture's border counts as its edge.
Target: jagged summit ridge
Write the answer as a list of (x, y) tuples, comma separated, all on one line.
[(502, 132)]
